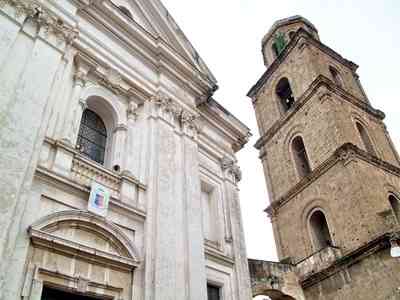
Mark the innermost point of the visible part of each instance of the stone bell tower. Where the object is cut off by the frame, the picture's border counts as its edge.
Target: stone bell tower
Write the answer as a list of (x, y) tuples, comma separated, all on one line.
[(332, 172)]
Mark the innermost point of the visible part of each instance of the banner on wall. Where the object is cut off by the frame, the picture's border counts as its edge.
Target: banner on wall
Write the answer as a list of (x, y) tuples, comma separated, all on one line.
[(99, 199)]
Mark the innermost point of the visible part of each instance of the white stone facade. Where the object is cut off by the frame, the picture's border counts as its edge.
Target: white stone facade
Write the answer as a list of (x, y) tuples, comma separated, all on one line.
[(173, 144)]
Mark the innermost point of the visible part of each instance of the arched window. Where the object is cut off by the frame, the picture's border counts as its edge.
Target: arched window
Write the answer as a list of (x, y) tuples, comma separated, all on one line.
[(300, 157), (125, 11), (365, 139), (92, 137), (285, 94), (320, 230), (395, 204), (336, 76)]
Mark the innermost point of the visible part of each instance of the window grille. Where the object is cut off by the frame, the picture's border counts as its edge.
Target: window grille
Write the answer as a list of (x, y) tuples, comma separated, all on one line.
[(92, 137)]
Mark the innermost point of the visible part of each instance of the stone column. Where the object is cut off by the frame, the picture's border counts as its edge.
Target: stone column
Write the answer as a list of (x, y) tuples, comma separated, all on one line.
[(196, 262), (26, 79), (232, 176)]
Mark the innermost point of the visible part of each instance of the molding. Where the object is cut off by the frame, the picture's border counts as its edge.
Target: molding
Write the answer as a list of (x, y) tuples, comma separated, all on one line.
[(320, 82), (54, 243), (219, 257), (345, 153)]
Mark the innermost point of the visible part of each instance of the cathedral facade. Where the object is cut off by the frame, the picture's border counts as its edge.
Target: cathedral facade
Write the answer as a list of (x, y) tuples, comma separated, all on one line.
[(117, 167), (332, 172)]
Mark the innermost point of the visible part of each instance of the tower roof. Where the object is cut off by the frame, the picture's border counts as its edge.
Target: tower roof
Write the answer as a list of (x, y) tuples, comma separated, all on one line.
[(287, 21)]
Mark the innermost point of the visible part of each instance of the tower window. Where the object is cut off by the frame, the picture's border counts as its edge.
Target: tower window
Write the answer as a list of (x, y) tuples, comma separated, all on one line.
[(291, 34), (285, 94), (336, 76), (92, 137), (213, 292), (300, 157), (320, 230), (394, 203), (365, 139), (125, 11)]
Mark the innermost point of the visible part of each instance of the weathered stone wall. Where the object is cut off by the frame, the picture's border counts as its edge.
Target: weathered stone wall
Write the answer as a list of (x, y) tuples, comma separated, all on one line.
[(375, 277), (344, 191)]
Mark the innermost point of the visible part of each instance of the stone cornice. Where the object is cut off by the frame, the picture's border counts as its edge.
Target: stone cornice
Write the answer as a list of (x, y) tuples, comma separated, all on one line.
[(300, 34), (380, 243), (55, 243), (154, 49), (320, 82), (345, 153)]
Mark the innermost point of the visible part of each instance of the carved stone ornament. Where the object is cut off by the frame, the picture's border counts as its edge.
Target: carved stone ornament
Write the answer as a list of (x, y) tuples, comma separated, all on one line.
[(112, 80), (132, 110), (33, 10), (189, 122), (166, 104), (232, 168), (80, 78)]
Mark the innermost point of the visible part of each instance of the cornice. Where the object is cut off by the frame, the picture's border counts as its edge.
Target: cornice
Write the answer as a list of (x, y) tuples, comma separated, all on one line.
[(320, 81), (226, 123), (105, 14), (345, 153), (301, 34)]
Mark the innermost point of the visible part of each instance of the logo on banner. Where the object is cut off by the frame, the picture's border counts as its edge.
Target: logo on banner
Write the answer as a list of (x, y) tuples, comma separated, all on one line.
[(99, 199)]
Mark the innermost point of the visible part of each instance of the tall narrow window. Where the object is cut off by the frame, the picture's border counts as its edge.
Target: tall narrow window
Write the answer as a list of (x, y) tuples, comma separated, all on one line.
[(395, 204), (285, 94), (209, 212), (336, 76), (320, 230), (300, 157), (365, 139), (92, 137), (213, 292)]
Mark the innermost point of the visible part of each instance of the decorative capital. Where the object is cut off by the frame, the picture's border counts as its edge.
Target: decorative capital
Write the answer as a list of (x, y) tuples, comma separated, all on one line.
[(83, 104), (132, 110), (80, 78), (229, 165)]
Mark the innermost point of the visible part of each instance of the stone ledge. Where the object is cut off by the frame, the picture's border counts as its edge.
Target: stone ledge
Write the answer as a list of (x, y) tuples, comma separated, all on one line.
[(345, 153)]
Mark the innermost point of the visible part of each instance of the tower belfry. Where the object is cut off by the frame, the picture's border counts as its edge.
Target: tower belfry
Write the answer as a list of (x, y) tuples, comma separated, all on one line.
[(332, 172)]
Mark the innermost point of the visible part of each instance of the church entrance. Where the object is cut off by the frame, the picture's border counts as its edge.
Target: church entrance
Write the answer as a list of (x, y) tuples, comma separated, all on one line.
[(54, 294)]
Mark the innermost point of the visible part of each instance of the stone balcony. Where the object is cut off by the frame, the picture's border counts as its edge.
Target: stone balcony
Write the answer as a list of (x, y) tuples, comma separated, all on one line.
[(84, 171), (317, 262), (273, 279), (69, 165)]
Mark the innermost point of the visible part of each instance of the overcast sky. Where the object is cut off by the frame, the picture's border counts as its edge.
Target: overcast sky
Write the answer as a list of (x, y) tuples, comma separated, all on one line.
[(227, 34)]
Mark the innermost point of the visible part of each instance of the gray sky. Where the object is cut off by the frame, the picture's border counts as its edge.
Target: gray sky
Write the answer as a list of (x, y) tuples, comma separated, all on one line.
[(228, 33)]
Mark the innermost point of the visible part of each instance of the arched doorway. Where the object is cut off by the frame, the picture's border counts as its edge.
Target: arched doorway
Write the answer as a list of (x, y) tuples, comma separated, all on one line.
[(273, 295)]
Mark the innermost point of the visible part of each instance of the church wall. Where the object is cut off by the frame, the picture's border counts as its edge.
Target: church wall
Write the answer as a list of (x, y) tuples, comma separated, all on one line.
[(157, 140)]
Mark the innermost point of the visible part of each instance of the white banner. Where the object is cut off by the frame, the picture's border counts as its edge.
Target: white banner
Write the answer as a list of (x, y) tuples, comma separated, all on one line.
[(99, 199)]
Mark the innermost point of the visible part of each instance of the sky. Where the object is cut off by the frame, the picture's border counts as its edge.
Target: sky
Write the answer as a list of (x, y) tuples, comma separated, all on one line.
[(227, 34)]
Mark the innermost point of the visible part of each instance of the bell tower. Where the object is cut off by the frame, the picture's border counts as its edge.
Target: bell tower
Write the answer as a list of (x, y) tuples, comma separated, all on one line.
[(332, 172)]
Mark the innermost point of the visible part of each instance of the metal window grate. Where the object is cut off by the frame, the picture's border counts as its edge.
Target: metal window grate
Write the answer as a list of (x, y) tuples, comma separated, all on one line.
[(92, 137)]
